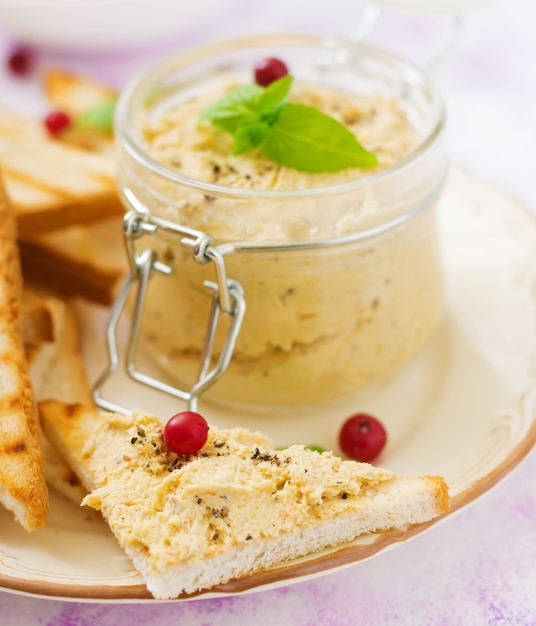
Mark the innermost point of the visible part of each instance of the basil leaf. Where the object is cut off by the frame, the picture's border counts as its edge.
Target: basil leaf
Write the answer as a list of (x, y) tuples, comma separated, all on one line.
[(100, 117), (255, 128), (250, 134), (306, 139), (274, 97), (291, 134), (313, 447), (233, 108)]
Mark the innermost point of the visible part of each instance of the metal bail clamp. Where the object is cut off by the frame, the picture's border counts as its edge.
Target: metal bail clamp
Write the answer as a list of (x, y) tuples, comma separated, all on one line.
[(227, 298)]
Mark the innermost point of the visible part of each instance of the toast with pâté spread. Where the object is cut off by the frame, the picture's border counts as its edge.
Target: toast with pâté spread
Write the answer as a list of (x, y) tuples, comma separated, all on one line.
[(237, 506)]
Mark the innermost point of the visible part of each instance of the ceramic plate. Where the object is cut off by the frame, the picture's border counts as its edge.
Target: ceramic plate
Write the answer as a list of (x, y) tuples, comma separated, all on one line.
[(465, 409)]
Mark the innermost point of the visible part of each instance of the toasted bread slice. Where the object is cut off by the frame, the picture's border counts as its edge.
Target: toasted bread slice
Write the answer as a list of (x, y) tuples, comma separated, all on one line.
[(23, 488), (74, 93), (189, 523), (43, 320), (72, 262), (56, 371), (17, 126), (59, 373), (39, 318), (52, 184)]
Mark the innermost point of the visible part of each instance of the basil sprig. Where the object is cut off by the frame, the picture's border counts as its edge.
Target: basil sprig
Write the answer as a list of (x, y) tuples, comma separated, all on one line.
[(99, 117), (288, 133)]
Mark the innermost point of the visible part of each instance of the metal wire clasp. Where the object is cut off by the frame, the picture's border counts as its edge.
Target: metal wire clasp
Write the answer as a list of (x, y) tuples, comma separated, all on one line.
[(227, 298)]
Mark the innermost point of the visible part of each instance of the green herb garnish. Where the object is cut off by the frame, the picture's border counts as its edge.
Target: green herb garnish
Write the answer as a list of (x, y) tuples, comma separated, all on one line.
[(288, 133), (312, 447), (100, 117)]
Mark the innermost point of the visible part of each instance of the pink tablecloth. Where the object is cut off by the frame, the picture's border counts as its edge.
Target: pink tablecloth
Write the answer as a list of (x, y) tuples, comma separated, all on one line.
[(478, 566)]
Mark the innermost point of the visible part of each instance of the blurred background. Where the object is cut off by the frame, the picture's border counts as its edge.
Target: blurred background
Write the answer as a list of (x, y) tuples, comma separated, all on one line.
[(487, 77)]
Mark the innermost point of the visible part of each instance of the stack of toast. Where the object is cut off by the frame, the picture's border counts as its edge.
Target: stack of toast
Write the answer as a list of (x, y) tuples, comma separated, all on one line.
[(62, 192), (58, 200), (187, 523)]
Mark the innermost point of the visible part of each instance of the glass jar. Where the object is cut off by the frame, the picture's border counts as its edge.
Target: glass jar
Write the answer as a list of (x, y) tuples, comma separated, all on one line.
[(342, 282)]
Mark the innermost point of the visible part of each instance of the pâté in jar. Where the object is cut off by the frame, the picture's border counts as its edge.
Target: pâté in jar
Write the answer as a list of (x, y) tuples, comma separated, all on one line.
[(340, 270)]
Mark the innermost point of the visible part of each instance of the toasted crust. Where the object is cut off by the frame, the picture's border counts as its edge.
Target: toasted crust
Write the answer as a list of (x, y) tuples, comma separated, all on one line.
[(40, 317), (66, 425), (68, 262), (22, 476), (233, 509)]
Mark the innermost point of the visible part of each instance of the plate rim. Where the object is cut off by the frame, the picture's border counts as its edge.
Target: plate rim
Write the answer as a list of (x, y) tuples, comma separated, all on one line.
[(347, 555)]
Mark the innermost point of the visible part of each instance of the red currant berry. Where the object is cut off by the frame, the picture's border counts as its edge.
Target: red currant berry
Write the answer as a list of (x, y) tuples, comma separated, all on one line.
[(186, 432), (269, 70), (21, 61), (362, 437), (56, 122)]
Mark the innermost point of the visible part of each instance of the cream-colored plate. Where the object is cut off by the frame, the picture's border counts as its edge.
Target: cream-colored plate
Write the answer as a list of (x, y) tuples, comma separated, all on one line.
[(466, 409)]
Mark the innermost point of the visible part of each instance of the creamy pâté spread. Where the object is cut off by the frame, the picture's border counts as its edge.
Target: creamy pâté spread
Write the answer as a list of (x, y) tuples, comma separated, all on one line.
[(320, 323), (236, 489), (198, 150)]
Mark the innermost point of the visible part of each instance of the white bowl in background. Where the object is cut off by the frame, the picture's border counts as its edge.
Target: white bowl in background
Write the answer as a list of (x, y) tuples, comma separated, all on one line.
[(103, 25)]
